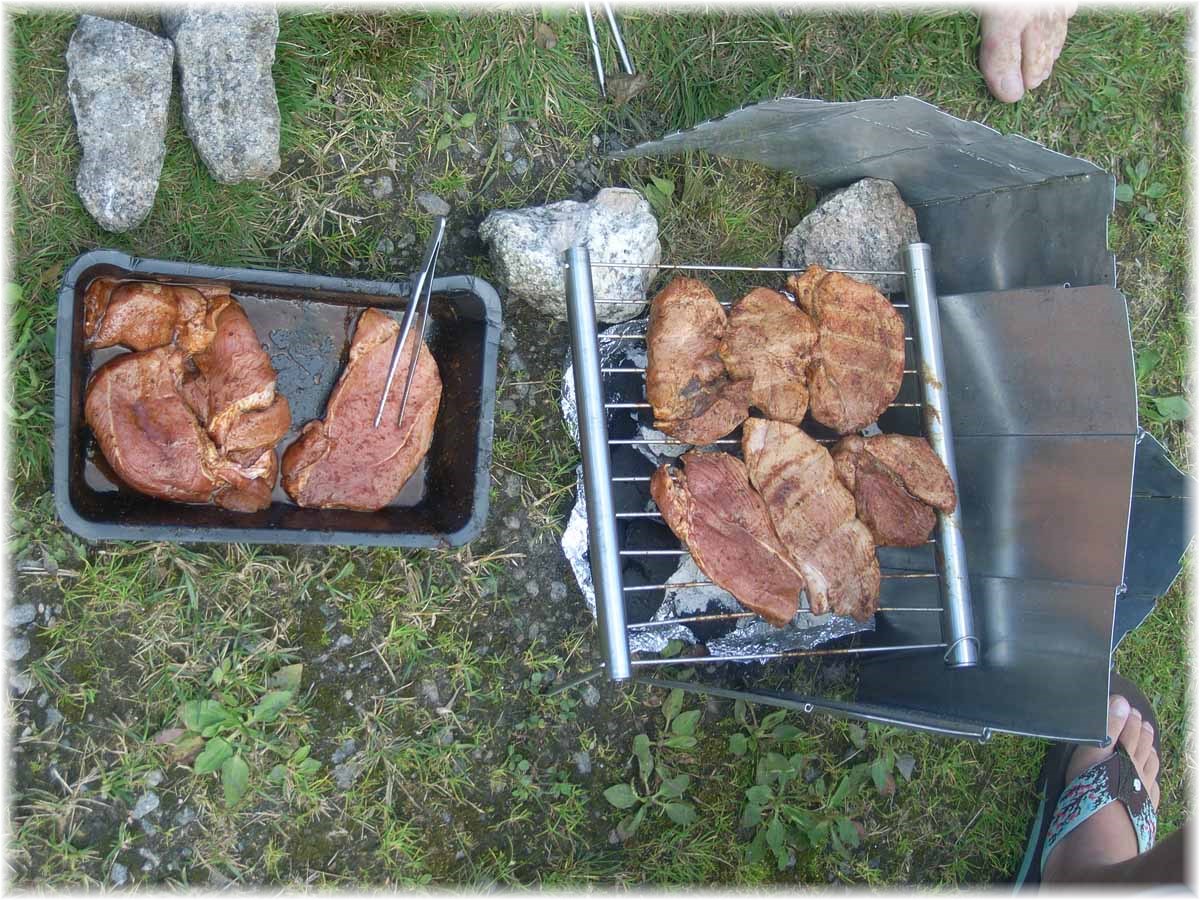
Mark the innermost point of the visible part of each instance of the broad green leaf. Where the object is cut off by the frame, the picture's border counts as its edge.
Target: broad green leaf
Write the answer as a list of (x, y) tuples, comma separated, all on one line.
[(622, 796), (801, 817), (818, 834), (858, 737), (218, 675), (213, 756), (757, 851), (1143, 169), (443, 143), (186, 746), (685, 723), (847, 832), (309, 766), (904, 765), (1147, 362), (277, 774), (672, 649), (1174, 409), (269, 707), (1124, 193), (738, 744), (751, 815), (739, 711), (287, 678), (675, 787), (879, 773), (786, 732), (301, 754), (681, 813), (468, 120), (770, 721), (760, 794), (776, 834), (210, 731), (235, 778), (673, 704), (630, 824), (841, 791), (1155, 191), (681, 742), (641, 749), (197, 715)]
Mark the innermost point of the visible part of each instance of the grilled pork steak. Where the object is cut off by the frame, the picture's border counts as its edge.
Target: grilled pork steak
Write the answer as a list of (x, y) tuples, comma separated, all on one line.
[(858, 361), (691, 394), (814, 516), (342, 461), (144, 407), (156, 444), (897, 482), (769, 340), (711, 507)]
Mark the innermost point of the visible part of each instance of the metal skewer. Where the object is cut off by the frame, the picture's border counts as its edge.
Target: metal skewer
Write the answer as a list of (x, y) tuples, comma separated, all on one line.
[(416, 353), (597, 58), (424, 276)]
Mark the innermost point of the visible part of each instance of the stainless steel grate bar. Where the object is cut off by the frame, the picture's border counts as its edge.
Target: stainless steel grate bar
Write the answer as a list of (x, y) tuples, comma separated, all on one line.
[(642, 337), (641, 370), (647, 405), (787, 654), (730, 617), (725, 303), (697, 267)]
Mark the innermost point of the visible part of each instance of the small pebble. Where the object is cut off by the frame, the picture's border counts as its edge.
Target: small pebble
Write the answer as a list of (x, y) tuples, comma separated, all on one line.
[(118, 874), (445, 736), (590, 696), (385, 246), (595, 140), (146, 804), (521, 166), (512, 523), (531, 588), (535, 631), (22, 615), (349, 695), (154, 777), (344, 752), (509, 406), (433, 204), (428, 691), (20, 683), (382, 187), (405, 240), (508, 157), (43, 699), (558, 591), (516, 362), (16, 648), (512, 484), (53, 717), (344, 640), (583, 762), (508, 341)]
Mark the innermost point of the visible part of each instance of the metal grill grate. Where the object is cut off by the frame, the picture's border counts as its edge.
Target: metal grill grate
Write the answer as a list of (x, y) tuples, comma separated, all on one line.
[(958, 643)]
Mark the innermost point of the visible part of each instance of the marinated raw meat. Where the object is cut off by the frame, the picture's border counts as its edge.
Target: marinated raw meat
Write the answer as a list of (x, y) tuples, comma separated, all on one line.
[(897, 482), (858, 361), (769, 341), (711, 507), (144, 314), (691, 394), (156, 444), (814, 516), (342, 461)]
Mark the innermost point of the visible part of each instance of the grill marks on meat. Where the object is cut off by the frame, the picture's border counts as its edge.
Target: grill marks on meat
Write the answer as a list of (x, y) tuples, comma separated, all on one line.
[(858, 361), (342, 461), (897, 482), (814, 516), (155, 443), (710, 506), (692, 395), (195, 418), (769, 340)]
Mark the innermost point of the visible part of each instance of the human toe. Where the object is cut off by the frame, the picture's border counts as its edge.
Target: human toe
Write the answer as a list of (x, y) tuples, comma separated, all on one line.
[(1000, 57)]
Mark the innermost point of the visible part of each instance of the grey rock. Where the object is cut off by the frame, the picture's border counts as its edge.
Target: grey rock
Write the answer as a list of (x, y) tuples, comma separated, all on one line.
[(343, 640), (590, 696), (344, 752), (348, 694), (154, 777), (508, 406), (118, 874), (512, 484), (119, 81), (521, 166), (186, 817), (510, 136), (863, 226), (516, 362), (445, 736), (427, 690), (583, 762), (617, 225), (385, 246), (508, 341), (512, 523), (405, 240), (346, 774), (21, 615), (508, 157), (152, 859), (558, 591), (382, 187), (16, 648), (224, 55), (433, 204), (535, 630), (42, 699), (146, 804), (53, 717), (20, 683)]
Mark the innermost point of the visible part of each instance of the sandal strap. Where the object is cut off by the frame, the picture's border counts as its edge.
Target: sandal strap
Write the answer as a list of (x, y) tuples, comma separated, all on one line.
[(1111, 779)]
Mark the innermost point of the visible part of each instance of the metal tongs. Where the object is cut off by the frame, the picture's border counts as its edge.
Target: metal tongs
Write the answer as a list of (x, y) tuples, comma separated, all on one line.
[(418, 304), (597, 60)]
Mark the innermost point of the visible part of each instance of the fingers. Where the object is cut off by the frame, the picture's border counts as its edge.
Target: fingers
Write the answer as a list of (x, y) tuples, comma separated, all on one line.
[(1000, 56)]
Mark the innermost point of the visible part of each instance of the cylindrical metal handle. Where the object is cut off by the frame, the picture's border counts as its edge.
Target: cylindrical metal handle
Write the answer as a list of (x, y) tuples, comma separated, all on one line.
[(597, 482), (958, 619)]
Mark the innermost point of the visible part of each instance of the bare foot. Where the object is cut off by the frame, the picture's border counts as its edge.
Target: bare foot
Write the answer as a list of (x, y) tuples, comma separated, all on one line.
[(1107, 837), (1020, 46)]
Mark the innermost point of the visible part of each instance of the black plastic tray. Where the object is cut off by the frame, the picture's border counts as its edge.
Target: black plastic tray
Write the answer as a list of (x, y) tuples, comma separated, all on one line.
[(304, 321)]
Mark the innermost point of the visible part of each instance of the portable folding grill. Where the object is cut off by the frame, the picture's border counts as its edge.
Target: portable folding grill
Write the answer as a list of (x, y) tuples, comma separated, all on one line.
[(1022, 380)]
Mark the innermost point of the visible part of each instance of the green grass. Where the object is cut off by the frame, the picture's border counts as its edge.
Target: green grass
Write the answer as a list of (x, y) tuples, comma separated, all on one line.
[(481, 788)]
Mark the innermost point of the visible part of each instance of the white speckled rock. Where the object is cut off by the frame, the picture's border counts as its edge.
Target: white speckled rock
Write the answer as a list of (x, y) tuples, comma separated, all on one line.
[(863, 226), (230, 110), (119, 81), (616, 226)]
